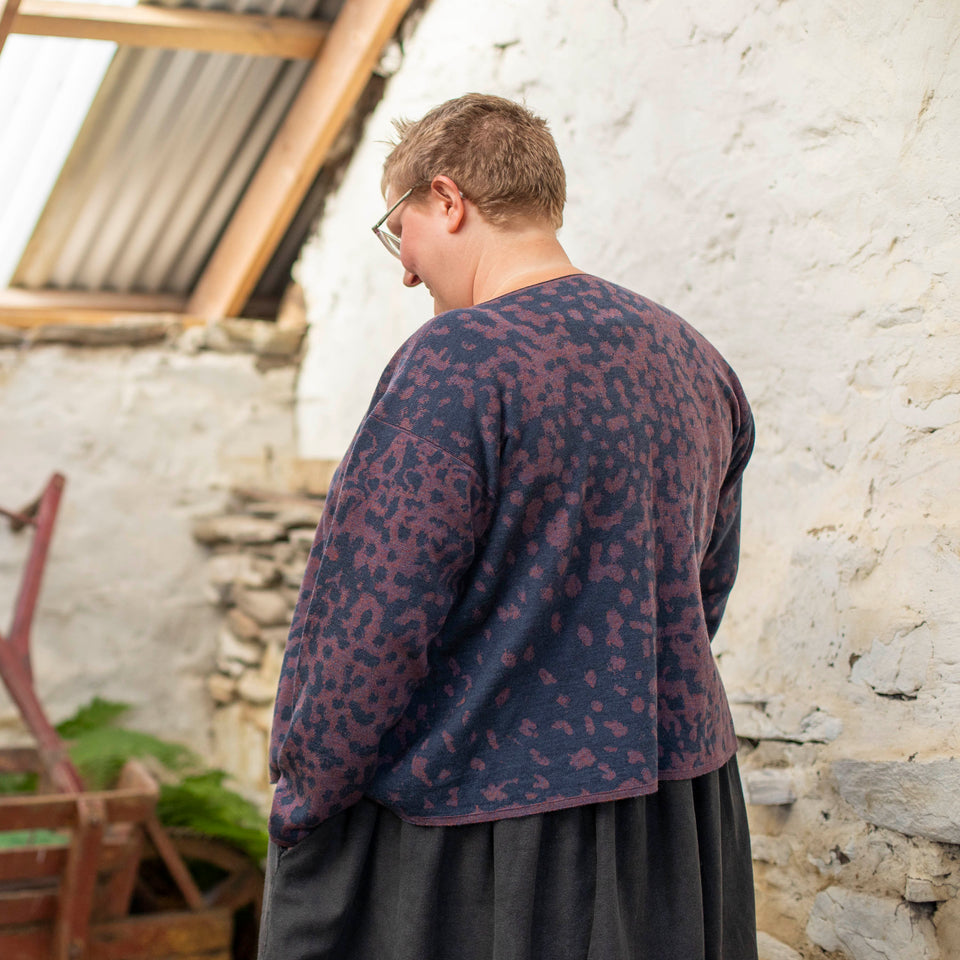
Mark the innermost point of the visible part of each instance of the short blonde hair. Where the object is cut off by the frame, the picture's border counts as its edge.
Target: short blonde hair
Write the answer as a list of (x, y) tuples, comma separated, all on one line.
[(500, 155)]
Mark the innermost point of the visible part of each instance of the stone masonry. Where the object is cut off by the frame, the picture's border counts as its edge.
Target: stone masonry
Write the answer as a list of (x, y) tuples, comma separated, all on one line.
[(152, 421), (258, 551)]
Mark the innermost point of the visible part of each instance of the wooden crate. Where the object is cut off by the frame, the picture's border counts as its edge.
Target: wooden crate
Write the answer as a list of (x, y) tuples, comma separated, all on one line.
[(69, 899)]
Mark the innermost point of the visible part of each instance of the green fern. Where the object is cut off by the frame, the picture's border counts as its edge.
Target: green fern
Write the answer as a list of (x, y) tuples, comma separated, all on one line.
[(99, 755), (14, 783), (96, 715), (195, 797), (203, 804)]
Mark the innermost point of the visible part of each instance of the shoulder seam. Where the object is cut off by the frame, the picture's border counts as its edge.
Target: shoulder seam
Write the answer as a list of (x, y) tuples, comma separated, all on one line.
[(436, 446)]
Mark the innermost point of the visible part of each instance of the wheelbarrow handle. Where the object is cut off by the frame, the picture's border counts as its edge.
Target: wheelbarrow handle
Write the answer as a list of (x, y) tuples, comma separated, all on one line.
[(15, 669)]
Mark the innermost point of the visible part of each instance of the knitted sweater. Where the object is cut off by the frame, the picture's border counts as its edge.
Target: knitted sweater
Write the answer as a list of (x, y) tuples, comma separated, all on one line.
[(522, 560)]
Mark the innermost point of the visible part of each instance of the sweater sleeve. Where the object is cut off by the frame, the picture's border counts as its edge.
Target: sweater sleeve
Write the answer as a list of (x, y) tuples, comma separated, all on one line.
[(396, 538), (722, 560)]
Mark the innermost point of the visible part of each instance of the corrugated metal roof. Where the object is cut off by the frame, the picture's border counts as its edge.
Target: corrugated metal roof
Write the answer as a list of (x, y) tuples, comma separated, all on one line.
[(164, 154)]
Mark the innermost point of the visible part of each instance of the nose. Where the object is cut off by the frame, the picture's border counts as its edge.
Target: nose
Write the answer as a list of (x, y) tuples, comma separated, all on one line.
[(410, 279)]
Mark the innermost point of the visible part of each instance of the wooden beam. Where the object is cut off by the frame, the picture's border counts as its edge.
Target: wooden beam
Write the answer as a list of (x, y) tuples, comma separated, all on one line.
[(55, 811), (329, 92), (37, 301), (27, 319), (215, 31), (27, 309), (8, 13)]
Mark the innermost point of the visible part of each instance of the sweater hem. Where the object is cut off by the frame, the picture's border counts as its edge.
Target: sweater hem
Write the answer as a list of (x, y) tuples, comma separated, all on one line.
[(558, 803)]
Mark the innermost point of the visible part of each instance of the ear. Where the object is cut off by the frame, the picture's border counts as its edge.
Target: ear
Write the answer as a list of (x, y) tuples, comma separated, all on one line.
[(446, 195)]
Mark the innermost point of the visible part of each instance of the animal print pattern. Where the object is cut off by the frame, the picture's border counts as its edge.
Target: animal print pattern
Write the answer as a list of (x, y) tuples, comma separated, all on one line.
[(524, 556)]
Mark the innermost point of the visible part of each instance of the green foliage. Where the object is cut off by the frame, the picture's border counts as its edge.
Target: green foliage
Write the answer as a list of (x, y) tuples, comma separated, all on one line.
[(202, 803), (96, 715), (100, 754), (196, 798), (31, 838), (12, 783), (99, 749)]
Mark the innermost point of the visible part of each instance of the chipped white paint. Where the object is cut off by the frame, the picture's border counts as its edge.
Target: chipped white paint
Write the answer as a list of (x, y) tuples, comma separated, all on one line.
[(779, 718), (918, 799), (870, 928), (772, 949), (768, 788), (898, 667)]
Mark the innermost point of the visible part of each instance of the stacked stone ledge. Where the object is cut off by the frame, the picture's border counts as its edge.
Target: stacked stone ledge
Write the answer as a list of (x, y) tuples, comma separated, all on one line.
[(872, 845), (274, 343), (259, 548)]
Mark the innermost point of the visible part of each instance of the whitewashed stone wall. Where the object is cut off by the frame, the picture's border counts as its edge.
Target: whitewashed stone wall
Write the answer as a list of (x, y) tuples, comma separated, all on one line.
[(149, 437), (785, 176)]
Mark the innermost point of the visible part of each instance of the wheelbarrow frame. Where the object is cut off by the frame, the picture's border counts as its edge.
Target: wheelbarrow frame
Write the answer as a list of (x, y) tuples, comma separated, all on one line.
[(69, 900)]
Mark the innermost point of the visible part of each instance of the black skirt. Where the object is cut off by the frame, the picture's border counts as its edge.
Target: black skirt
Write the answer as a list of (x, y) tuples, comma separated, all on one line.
[(667, 876)]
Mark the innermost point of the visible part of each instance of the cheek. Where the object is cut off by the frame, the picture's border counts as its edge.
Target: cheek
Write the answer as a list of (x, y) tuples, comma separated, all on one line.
[(408, 243), (407, 260), (412, 251)]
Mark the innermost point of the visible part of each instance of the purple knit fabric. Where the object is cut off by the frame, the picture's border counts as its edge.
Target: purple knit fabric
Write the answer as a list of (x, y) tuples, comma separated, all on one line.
[(523, 558)]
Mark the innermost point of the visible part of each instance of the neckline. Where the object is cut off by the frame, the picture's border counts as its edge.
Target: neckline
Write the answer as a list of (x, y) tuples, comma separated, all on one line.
[(531, 286)]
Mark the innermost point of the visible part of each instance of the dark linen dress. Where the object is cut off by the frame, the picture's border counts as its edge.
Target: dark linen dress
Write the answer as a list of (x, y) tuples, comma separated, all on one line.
[(665, 876)]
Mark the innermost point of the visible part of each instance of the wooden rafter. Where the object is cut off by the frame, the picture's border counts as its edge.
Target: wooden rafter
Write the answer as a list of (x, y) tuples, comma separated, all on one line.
[(8, 13), (14, 299), (173, 27), (87, 317), (315, 118), (26, 309)]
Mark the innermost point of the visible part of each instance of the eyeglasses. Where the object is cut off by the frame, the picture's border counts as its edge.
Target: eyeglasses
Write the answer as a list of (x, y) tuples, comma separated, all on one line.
[(391, 242)]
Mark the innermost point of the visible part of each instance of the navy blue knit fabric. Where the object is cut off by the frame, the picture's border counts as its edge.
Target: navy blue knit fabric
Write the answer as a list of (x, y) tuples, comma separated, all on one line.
[(523, 558)]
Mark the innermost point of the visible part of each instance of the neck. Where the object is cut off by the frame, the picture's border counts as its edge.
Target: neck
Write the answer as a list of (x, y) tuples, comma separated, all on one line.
[(514, 259)]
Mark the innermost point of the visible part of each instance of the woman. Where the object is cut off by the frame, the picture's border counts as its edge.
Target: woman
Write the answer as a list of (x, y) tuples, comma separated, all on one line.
[(499, 730)]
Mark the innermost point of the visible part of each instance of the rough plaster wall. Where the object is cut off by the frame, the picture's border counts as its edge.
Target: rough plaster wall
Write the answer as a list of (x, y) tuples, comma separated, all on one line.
[(148, 439), (784, 175)]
